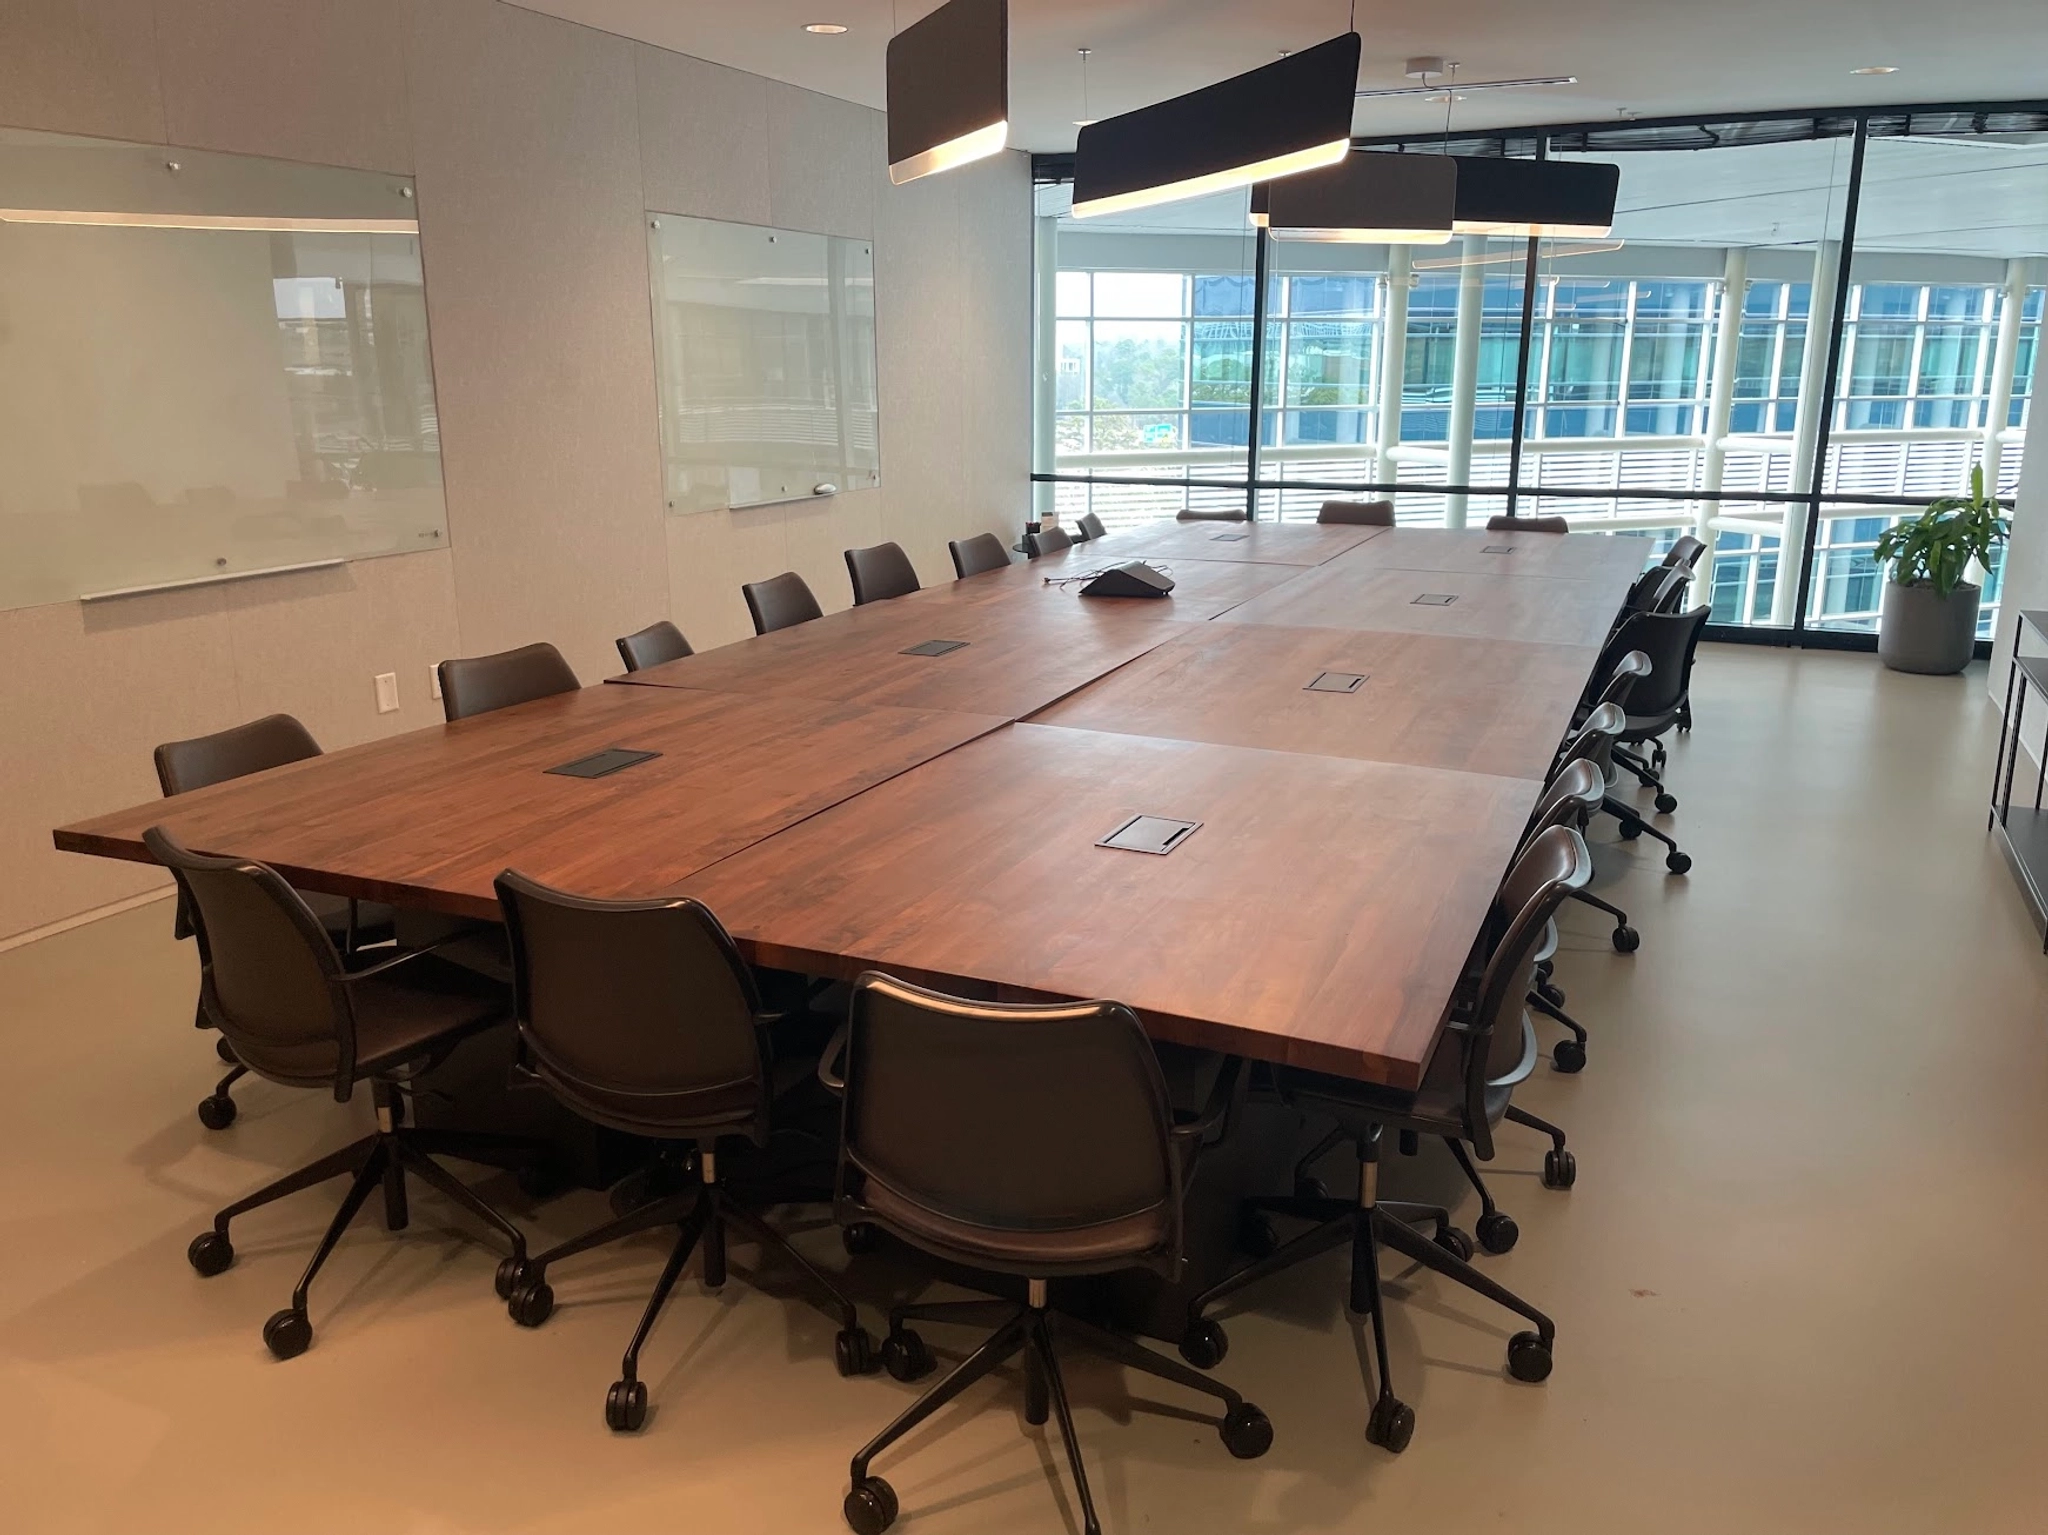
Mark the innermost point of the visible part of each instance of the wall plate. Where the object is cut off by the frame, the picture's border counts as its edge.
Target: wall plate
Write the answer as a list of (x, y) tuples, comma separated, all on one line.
[(1229, 538), (598, 764), (1496, 548), (1150, 834), (1336, 682), (1434, 600), (934, 648)]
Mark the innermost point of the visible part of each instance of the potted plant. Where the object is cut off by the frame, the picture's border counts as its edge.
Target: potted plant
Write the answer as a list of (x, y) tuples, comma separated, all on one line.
[(1928, 619)]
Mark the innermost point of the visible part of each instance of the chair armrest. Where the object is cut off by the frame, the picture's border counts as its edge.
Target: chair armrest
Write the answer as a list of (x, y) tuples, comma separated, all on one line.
[(1219, 1114), (830, 1072), (350, 977)]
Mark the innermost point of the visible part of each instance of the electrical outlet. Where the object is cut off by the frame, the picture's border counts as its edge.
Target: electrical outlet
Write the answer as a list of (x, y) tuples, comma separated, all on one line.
[(387, 692), (434, 682)]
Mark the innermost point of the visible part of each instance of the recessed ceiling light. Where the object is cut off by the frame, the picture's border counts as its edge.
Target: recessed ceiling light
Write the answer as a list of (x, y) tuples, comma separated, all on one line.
[(1876, 69), (824, 28)]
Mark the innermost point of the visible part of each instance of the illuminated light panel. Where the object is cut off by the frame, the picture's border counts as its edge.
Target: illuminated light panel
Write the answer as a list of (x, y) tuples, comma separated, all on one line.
[(1535, 199), (1365, 199), (978, 145), (949, 89)]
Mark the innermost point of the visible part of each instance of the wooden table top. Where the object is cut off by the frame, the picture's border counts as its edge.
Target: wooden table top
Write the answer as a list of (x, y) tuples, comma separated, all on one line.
[(1272, 543), (1201, 588), (430, 818), (1320, 916), (1017, 659), (1341, 595), (1442, 701), (1584, 556)]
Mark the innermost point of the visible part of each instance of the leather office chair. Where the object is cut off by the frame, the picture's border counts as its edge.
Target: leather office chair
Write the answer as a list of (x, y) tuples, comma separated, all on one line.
[(1210, 514), (978, 555), (1047, 541), (1511, 524), (479, 684), (780, 602), (1032, 1140), (1089, 528), (1488, 1048), (658, 642), (641, 1016), (1357, 514), (182, 766), (880, 573), (1685, 553), (298, 1012)]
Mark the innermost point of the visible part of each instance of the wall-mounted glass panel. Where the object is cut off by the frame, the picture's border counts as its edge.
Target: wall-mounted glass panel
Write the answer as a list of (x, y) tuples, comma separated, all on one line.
[(209, 365), (764, 346)]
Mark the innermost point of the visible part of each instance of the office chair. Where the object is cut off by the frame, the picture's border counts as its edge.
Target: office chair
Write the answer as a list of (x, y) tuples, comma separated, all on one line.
[(1670, 641), (658, 642), (182, 766), (300, 1013), (479, 684), (978, 555), (1508, 523), (780, 602), (1032, 1140), (880, 573), (1357, 514), (1090, 527), (1685, 553), (1210, 514), (1572, 798), (1047, 541), (1592, 740), (641, 1017), (1487, 1049)]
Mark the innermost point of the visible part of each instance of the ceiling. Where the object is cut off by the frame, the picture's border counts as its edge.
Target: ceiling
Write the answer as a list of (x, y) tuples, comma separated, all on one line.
[(1646, 58)]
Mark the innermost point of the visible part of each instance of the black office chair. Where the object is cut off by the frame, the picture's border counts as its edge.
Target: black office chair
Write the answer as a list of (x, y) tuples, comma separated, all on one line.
[(1573, 796), (978, 555), (880, 573), (780, 602), (658, 642), (479, 684), (1357, 514), (1670, 640), (1047, 541), (299, 1012), (641, 1017), (1487, 1049), (1511, 524), (1685, 553), (1032, 1140), (182, 766), (1210, 514), (1089, 528)]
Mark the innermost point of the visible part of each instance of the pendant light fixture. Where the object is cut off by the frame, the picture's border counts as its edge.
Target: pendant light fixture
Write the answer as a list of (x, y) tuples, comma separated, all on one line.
[(949, 88), (1280, 120), (1365, 198), (1536, 199)]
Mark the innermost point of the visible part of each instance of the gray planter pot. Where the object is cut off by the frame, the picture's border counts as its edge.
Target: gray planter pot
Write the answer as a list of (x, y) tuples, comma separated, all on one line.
[(1918, 631)]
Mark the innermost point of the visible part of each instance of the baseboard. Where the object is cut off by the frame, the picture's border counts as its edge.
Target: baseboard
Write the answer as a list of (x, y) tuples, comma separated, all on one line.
[(66, 924)]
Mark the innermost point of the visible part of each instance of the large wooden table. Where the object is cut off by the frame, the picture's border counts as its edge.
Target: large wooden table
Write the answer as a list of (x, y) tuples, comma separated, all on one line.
[(842, 805)]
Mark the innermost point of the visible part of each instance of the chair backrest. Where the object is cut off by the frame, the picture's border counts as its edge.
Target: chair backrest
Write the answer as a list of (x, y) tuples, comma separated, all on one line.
[(639, 1014), (977, 555), (1358, 514), (1669, 641), (1210, 514), (1090, 526), (780, 602), (269, 974), (1047, 541), (1508, 524), (478, 684), (1657, 590), (1593, 741), (880, 573), (1573, 794), (1685, 554), (1620, 668), (658, 642), (1009, 1117)]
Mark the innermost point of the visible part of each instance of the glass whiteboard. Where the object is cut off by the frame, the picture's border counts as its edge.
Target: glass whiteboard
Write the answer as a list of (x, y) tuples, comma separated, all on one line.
[(209, 365), (764, 344)]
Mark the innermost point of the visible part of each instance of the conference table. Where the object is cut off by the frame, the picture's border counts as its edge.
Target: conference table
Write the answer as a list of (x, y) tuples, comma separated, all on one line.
[(925, 785)]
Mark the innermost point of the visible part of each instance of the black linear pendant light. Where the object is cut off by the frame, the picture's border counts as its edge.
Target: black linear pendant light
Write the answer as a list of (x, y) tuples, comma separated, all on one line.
[(1279, 120), (949, 88), (1535, 199), (1364, 198)]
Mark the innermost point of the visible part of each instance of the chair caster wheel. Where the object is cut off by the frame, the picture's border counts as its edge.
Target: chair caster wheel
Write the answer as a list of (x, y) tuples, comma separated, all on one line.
[(1204, 1344), (905, 1356), (859, 1238), (625, 1406), (226, 1051), (1630, 830), (1627, 940), (1391, 1425), (216, 1111), (871, 1507), (1678, 863), (288, 1334), (1554, 995), (1455, 1242), (1666, 803), (1528, 1357), (1256, 1236), (1246, 1432), (512, 1273), (532, 1303), (1560, 1168), (210, 1253), (853, 1352), (1311, 1188), (1569, 1056), (1498, 1232)]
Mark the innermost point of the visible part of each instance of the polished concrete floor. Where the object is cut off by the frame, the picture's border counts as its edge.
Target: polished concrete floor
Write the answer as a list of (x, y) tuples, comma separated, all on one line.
[(1799, 1286)]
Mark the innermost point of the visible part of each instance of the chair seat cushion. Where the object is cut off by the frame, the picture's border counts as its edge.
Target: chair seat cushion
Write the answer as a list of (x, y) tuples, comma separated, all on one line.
[(422, 1009), (1113, 1244)]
